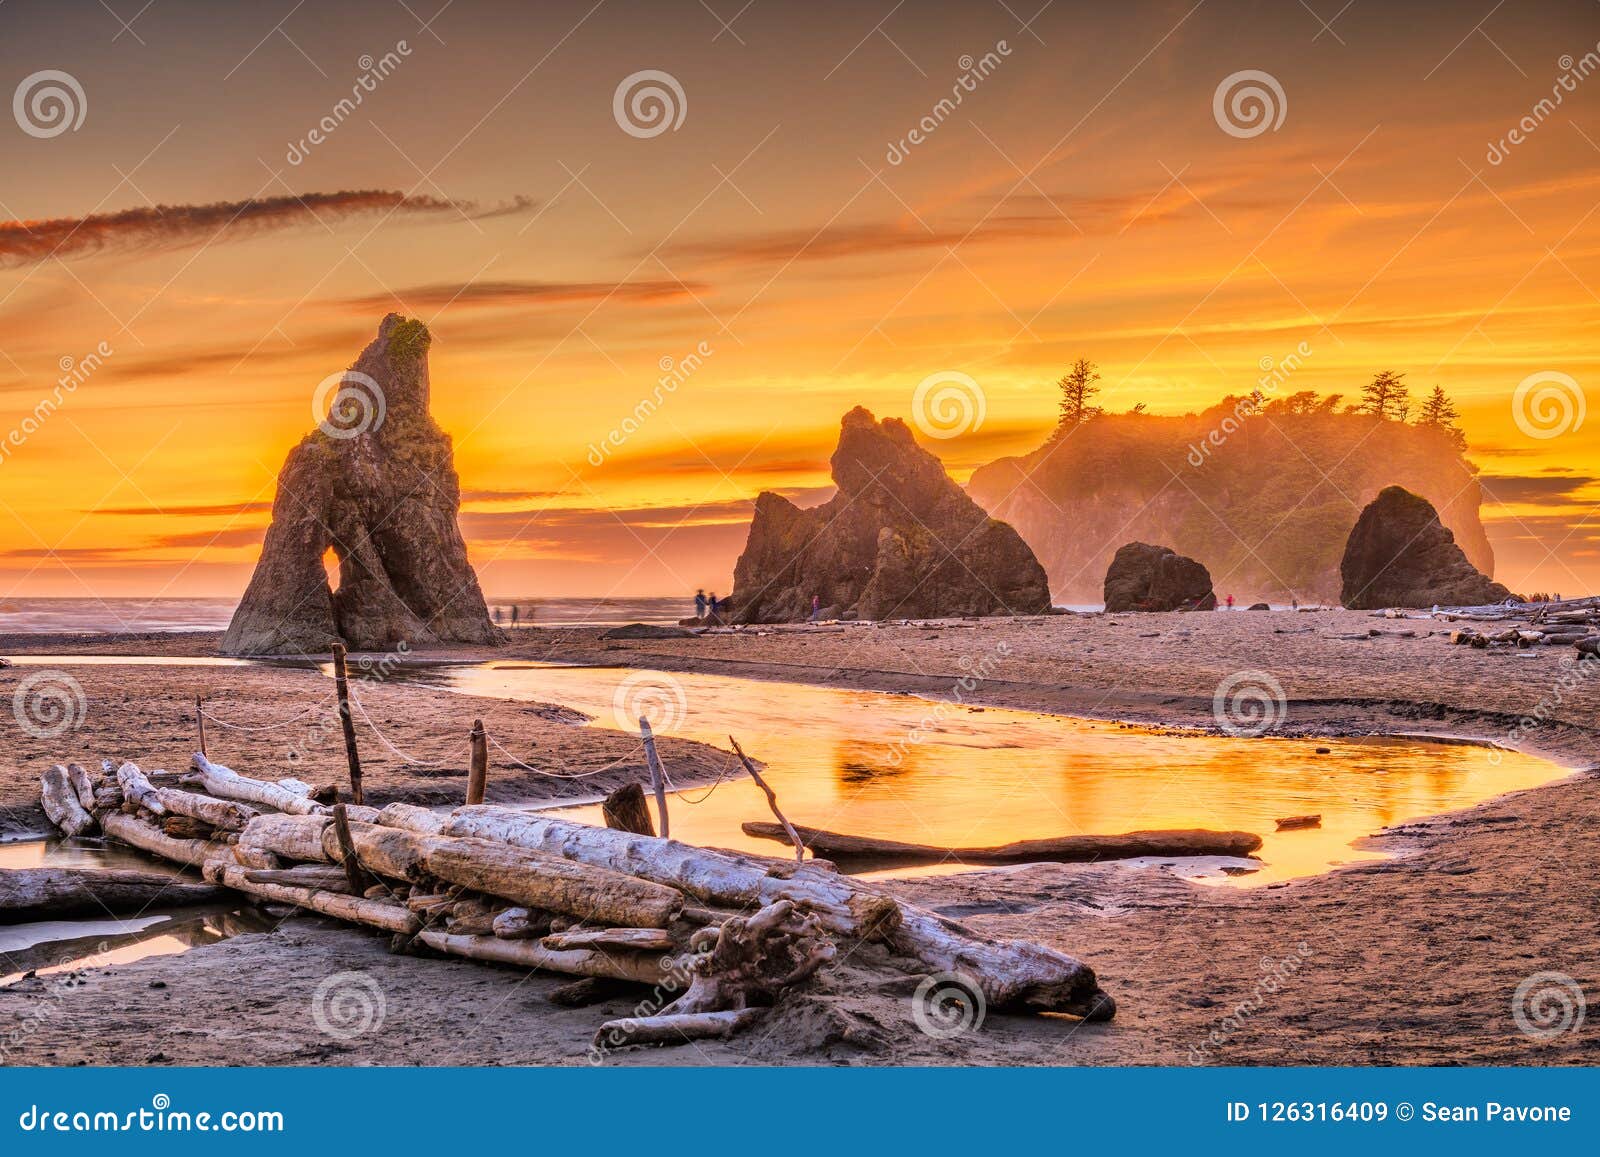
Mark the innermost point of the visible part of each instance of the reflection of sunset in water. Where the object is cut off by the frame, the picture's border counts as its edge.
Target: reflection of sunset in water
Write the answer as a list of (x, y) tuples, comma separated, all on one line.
[(841, 760)]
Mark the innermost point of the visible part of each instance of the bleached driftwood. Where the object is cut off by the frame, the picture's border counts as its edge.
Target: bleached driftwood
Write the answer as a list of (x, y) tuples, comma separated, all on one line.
[(291, 837), (645, 968), (524, 877), (749, 960), (383, 914), (229, 784), (1011, 973), (138, 790), (322, 876), (28, 894), (672, 1029), (521, 923), (61, 804), (637, 939), (219, 813), (145, 836), (1062, 849), (82, 785)]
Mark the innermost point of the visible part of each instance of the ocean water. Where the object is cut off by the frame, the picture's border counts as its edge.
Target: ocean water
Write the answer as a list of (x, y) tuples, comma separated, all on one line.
[(39, 616)]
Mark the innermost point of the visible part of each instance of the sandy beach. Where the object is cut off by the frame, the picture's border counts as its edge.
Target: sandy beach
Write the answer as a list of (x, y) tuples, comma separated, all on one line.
[(1413, 959)]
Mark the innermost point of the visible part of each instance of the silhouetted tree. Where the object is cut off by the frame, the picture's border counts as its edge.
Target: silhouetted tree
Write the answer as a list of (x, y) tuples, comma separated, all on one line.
[(1438, 411), (1077, 386), (1386, 396)]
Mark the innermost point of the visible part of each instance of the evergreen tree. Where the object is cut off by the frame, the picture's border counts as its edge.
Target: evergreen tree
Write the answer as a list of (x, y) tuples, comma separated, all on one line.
[(1386, 396), (1439, 412), (1077, 386)]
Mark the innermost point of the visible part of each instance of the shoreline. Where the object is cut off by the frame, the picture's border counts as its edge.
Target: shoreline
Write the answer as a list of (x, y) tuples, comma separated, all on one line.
[(1409, 959)]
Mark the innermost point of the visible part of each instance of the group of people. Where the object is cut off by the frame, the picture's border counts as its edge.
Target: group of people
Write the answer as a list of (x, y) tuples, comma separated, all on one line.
[(516, 614), (708, 606)]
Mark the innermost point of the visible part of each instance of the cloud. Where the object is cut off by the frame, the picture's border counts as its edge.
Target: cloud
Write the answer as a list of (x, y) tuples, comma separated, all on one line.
[(179, 226), (1549, 487), (210, 509), (499, 294)]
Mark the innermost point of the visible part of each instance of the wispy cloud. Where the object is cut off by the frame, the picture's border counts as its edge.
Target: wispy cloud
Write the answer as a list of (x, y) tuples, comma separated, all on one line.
[(179, 226), (497, 294)]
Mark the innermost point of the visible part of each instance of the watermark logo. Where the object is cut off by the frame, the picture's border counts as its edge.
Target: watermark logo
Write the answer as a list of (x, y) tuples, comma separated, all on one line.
[(373, 73), (347, 1005), (1547, 1005), (1248, 103), (948, 1004), (674, 372), (1573, 72), (948, 404), (649, 103), (1248, 704), (49, 103), (74, 372), (1273, 375), (348, 404), (649, 695), (48, 704), (1548, 404), (973, 73)]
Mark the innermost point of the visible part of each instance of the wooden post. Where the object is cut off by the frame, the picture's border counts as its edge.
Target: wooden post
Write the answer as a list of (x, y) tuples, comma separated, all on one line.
[(478, 776), (626, 811), (341, 681), (772, 799), (200, 718), (359, 882), (658, 774)]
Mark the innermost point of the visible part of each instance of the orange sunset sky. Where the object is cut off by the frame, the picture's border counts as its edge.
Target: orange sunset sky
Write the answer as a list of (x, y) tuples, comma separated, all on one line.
[(1083, 200)]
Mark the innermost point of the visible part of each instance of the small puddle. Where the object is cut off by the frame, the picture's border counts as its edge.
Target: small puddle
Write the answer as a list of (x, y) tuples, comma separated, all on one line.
[(49, 946)]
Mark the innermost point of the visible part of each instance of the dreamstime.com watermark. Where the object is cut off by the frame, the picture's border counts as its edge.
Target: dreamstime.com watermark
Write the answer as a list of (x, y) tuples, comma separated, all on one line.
[(673, 374), (677, 973), (373, 73), (1573, 72), (1574, 673), (948, 404), (348, 1005), (1276, 975), (1248, 704), (49, 703), (48, 103), (1548, 404), (1273, 375), (160, 1117), (948, 1004), (977, 671), (648, 103), (1548, 1005), (327, 723), (74, 372), (348, 404), (652, 695), (1248, 103), (973, 73)]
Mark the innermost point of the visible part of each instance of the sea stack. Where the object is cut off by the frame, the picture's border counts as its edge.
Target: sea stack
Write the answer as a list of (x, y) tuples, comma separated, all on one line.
[(1401, 555), (1142, 577), (899, 540), (376, 485)]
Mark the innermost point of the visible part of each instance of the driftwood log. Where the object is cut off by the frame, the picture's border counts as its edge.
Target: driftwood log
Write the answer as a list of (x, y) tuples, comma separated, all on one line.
[(28, 894), (1011, 973), (219, 813), (626, 810), (385, 914), (138, 790), (1062, 849), (82, 784), (676, 1028), (62, 805), (643, 967), (144, 835), (229, 784)]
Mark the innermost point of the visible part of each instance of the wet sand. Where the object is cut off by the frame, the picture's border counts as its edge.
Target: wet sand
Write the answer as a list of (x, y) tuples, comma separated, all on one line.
[(1411, 960)]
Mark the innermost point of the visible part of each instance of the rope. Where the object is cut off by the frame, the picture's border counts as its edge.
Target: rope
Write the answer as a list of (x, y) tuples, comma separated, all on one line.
[(720, 779), (205, 711), (384, 739), (562, 775)]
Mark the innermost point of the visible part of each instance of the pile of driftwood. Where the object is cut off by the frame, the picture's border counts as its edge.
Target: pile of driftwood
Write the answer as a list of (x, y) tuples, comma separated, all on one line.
[(729, 933), (1550, 623)]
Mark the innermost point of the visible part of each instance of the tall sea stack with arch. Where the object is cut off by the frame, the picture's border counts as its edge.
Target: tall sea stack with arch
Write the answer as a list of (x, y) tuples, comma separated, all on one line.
[(376, 485)]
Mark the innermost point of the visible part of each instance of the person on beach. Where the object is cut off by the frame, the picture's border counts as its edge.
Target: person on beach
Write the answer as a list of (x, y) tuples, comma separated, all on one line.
[(513, 614), (700, 604), (498, 616), (816, 607), (711, 605), (1230, 602)]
